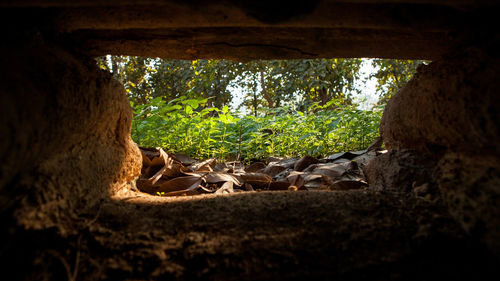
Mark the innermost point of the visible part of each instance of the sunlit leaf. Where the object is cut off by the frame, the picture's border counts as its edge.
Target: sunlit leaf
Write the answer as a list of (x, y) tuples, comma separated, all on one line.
[(180, 184), (227, 187)]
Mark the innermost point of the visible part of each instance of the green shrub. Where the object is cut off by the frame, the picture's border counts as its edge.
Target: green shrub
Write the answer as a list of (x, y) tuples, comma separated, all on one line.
[(188, 126)]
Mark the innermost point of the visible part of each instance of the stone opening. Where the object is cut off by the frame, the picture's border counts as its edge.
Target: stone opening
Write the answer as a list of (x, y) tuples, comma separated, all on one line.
[(259, 116), (61, 219), (258, 88)]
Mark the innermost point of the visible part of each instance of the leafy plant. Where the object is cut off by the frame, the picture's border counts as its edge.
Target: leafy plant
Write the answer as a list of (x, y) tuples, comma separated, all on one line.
[(392, 75), (189, 126)]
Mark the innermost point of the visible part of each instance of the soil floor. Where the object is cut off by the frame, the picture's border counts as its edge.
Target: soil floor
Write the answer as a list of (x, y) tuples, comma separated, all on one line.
[(280, 235)]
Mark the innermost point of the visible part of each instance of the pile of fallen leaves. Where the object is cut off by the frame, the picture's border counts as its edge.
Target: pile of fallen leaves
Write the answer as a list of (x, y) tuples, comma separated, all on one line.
[(172, 174)]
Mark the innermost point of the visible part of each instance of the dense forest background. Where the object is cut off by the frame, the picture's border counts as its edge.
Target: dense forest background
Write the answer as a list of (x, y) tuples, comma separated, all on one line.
[(289, 107)]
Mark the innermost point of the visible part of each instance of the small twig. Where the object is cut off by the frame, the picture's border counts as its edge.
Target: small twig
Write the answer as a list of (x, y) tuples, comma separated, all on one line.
[(92, 221), (71, 275), (64, 263), (77, 258)]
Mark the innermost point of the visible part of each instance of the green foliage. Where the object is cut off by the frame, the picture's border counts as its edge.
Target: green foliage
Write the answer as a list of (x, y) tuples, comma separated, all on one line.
[(281, 82), (300, 107), (147, 78), (189, 126), (392, 75), (273, 83)]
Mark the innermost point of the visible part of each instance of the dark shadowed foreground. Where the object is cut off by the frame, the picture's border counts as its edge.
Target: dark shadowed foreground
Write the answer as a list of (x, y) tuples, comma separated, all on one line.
[(262, 236)]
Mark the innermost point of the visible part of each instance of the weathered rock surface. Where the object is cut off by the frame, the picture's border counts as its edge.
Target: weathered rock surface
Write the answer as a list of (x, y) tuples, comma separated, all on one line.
[(65, 142), (399, 171), (448, 111), (248, 29), (449, 104), (470, 185)]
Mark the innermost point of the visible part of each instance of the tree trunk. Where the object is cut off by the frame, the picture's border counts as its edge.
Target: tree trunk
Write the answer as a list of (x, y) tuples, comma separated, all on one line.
[(255, 103), (323, 98), (264, 92)]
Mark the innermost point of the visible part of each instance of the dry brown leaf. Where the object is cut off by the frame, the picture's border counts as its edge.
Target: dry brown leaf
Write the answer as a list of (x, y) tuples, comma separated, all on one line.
[(215, 177), (175, 170), (247, 187), (221, 167), (157, 161), (155, 166), (165, 165), (149, 152), (146, 162), (334, 171), (312, 181), (257, 180), (180, 184), (283, 175), (310, 168), (365, 158), (204, 166), (313, 185), (166, 173), (346, 184), (353, 166), (296, 179), (145, 185), (275, 159), (273, 170), (304, 162), (279, 185), (303, 188), (191, 192), (331, 172), (255, 167), (186, 170), (210, 188), (340, 161), (166, 161), (255, 177), (154, 178), (344, 155), (184, 159), (288, 163), (197, 174), (144, 171), (235, 167), (227, 187), (312, 177)]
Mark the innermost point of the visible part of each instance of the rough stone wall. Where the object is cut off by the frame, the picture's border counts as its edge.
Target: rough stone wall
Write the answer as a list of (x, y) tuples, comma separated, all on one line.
[(449, 112), (450, 104), (401, 171), (65, 141)]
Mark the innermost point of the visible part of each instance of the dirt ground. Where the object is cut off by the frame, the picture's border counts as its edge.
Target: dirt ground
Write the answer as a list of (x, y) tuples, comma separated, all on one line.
[(280, 235)]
